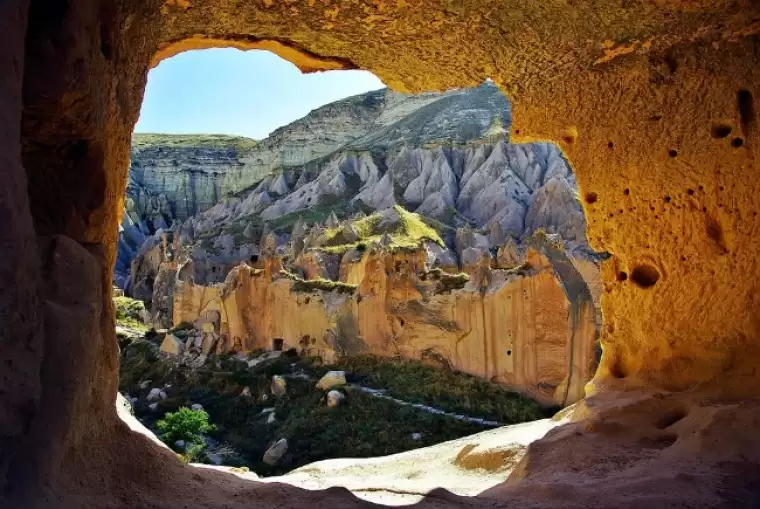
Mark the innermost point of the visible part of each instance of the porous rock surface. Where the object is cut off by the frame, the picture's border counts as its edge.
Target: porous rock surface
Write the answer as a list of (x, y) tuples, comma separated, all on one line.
[(652, 102)]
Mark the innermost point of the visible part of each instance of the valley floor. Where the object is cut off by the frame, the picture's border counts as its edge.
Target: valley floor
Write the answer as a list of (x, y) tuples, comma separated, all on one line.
[(390, 405)]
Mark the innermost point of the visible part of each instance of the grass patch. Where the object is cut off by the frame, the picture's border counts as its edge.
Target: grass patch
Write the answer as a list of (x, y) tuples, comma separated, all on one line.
[(129, 313), (221, 141), (407, 233), (448, 282), (313, 285), (449, 390)]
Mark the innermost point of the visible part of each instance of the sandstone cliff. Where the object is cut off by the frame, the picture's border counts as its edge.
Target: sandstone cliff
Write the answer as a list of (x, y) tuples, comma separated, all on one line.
[(520, 328)]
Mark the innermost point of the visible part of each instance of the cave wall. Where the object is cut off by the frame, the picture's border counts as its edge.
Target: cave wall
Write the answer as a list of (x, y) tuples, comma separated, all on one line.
[(639, 95)]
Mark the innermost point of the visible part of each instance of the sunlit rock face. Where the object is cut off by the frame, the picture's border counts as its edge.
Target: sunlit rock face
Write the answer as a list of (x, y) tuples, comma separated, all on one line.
[(526, 330)]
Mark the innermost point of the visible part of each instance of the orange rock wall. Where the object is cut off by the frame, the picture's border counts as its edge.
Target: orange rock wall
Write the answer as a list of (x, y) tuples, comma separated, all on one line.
[(522, 331)]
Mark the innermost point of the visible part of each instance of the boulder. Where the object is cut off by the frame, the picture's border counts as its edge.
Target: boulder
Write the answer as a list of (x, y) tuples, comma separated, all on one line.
[(172, 345), (156, 394), (335, 398), (275, 452), (271, 419), (208, 342), (278, 386), (195, 407), (332, 379)]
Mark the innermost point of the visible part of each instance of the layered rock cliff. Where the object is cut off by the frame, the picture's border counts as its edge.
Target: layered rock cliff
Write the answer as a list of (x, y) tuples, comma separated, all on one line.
[(443, 155)]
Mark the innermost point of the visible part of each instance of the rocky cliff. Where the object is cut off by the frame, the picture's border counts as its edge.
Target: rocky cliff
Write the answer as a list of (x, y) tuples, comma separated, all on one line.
[(384, 223), (527, 320), (443, 155)]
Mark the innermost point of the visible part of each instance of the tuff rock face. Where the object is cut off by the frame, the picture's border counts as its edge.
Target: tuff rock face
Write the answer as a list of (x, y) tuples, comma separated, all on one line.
[(519, 329), (653, 102)]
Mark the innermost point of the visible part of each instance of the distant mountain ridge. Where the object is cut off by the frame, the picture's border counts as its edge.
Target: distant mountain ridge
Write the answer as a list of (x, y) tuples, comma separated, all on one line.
[(445, 156)]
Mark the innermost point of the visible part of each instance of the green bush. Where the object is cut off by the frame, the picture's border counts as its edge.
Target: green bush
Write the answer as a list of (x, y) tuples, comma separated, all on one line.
[(184, 424)]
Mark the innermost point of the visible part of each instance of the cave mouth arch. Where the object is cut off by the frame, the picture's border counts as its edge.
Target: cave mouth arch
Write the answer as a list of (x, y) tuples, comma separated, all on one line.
[(552, 171)]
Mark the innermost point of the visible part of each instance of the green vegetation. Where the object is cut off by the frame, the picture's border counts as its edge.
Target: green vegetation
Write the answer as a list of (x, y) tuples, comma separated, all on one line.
[(186, 425), (447, 281), (315, 214), (220, 141), (128, 313), (363, 426), (312, 285), (407, 233), (449, 390)]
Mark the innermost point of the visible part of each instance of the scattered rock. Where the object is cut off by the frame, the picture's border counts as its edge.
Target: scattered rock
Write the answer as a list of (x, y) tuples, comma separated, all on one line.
[(275, 452), (416, 436), (246, 392), (180, 444), (278, 386), (153, 407), (156, 394), (335, 398), (195, 407), (332, 379), (271, 419), (172, 345)]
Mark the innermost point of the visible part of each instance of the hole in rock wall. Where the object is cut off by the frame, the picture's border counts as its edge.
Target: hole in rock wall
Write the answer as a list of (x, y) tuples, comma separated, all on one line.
[(721, 131), (319, 188), (645, 276)]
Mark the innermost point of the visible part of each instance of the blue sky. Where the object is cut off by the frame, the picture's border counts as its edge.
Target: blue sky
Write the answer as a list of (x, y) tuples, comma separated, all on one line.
[(248, 93)]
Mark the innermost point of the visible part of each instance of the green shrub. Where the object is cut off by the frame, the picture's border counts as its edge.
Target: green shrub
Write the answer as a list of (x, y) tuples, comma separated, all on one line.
[(184, 424), (195, 453)]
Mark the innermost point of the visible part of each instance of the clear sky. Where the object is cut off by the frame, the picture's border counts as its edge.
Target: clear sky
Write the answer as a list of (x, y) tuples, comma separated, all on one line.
[(248, 93)]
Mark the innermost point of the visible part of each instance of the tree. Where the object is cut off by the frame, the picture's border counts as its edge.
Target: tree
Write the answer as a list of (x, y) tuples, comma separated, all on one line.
[(184, 424)]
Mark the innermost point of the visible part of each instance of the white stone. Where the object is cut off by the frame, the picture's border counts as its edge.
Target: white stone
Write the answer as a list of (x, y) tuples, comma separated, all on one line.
[(416, 436), (332, 379), (275, 452), (155, 394), (196, 407), (271, 419), (246, 392), (335, 398), (180, 444), (153, 407)]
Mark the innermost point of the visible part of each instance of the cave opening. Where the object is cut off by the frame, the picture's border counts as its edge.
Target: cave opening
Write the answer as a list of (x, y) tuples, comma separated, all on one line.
[(304, 201)]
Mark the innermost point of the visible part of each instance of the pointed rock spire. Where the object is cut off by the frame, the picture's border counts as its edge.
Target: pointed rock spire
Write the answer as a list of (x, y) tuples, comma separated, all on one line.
[(495, 234), (332, 220)]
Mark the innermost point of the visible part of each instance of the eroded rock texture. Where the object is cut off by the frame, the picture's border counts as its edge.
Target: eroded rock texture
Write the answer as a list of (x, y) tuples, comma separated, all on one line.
[(521, 330), (652, 102)]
